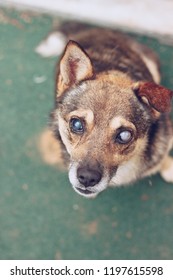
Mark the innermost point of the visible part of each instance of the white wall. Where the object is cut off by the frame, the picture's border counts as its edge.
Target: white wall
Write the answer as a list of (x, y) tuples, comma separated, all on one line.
[(147, 16)]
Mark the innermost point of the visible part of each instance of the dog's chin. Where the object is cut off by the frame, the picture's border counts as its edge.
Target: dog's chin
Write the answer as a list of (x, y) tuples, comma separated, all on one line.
[(85, 192)]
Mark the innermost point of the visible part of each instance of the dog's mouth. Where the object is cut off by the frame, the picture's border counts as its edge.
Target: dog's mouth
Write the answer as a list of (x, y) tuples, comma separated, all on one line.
[(85, 192)]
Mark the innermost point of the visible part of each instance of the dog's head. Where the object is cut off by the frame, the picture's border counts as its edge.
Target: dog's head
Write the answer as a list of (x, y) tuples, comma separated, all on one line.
[(103, 121)]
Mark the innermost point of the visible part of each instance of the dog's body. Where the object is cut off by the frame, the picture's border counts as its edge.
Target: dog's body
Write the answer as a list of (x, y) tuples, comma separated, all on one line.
[(111, 116)]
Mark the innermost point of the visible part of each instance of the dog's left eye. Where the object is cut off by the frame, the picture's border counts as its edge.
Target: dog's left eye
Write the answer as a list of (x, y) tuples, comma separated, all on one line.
[(76, 125), (124, 137)]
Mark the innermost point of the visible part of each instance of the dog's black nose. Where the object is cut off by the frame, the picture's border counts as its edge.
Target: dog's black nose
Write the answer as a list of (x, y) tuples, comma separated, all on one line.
[(88, 177)]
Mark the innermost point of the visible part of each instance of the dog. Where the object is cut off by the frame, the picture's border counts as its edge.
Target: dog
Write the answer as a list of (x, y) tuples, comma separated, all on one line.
[(111, 121)]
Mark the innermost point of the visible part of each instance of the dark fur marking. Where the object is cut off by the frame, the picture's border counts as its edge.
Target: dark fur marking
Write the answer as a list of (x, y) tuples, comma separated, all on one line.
[(73, 65)]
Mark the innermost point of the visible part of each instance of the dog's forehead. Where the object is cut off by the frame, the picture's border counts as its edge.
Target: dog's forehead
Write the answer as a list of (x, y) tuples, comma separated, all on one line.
[(103, 98)]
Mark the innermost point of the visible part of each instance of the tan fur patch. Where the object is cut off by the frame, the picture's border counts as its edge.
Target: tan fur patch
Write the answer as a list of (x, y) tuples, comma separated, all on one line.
[(119, 121), (167, 169), (153, 67), (129, 168), (50, 149)]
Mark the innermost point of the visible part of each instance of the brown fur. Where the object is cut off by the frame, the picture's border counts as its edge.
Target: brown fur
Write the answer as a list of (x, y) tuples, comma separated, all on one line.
[(50, 148), (106, 90)]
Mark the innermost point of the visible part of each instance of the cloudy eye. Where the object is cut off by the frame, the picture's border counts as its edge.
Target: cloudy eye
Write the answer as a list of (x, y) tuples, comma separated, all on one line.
[(124, 137), (76, 125)]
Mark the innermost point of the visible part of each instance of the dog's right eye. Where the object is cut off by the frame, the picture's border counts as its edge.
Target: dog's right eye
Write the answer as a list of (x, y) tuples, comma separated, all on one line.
[(76, 125), (124, 137)]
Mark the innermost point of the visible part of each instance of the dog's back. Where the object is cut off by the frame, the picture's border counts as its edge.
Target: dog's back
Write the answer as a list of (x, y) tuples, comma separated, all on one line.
[(110, 50)]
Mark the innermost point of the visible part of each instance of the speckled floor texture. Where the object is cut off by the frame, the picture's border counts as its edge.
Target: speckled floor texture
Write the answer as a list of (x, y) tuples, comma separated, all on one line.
[(41, 217)]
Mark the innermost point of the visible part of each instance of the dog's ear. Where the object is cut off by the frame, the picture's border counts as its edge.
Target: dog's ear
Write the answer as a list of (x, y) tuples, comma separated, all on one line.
[(155, 96), (75, 66)]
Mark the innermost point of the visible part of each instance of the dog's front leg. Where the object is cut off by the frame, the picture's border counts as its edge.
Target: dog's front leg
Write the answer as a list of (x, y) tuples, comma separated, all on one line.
[(166, 170), (50, 149)]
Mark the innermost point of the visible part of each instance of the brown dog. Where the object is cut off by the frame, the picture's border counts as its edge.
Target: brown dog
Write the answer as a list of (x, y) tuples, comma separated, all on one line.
[(111, 116)]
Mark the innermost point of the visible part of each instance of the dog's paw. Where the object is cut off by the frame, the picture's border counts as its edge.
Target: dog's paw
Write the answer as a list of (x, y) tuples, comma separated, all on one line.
[(167, 170), (53, 45)]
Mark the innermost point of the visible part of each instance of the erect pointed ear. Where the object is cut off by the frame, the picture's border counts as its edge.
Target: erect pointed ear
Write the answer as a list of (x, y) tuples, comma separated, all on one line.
[(75, 66), (155, 96)]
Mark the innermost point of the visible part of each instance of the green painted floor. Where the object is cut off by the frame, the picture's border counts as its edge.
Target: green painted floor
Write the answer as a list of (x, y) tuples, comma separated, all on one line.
[(41, 217)]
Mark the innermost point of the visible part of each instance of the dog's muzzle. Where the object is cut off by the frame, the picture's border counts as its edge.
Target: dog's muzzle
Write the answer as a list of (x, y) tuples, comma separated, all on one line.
[(87, 179)]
